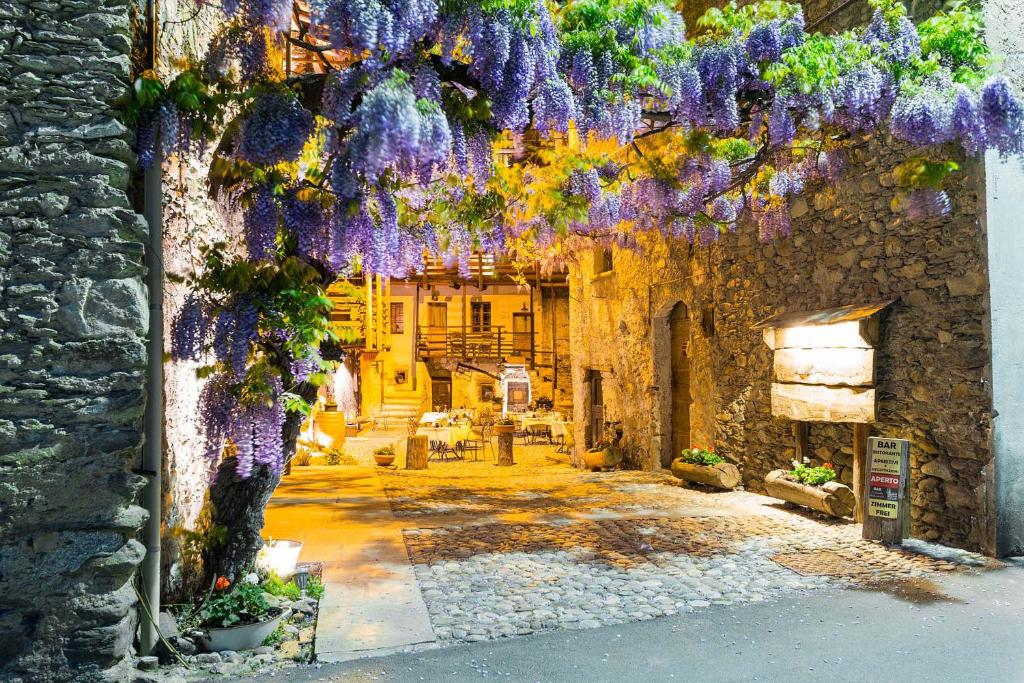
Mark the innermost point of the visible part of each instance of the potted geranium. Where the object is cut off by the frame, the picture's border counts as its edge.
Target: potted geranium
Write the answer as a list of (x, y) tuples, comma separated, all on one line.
[(384, 456), (604, 454), (704, 466), (238, 617), (812, 487)]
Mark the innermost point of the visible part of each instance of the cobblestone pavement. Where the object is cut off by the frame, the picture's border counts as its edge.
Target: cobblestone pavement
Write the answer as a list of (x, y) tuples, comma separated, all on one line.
[(510, 551)]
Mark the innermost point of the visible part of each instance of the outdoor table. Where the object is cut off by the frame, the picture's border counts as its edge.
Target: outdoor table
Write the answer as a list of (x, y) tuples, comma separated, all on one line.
[(449, 435), (560, 428), (433, 418)]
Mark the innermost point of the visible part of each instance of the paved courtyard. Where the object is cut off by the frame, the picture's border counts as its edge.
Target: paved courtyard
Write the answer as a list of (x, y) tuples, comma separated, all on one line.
[(500, 552)]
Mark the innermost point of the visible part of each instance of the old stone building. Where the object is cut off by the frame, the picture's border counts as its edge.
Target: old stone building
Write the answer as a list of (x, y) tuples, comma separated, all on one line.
[(688, 367), (73, 318)]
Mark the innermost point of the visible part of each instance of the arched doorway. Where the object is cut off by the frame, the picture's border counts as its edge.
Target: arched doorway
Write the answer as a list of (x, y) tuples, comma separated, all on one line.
[(679, 341)]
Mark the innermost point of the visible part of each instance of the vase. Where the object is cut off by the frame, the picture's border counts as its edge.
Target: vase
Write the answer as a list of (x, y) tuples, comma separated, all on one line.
[(329, 429)]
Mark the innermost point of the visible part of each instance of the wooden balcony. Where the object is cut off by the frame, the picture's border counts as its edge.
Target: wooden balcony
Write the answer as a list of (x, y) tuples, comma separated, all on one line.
[(496, 343)]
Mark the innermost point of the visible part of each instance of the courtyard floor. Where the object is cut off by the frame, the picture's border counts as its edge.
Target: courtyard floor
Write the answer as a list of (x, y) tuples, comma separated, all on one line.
[(469, 551)]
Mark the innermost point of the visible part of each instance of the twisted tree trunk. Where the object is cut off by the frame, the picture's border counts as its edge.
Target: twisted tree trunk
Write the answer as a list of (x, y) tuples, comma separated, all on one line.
[(238, 504)]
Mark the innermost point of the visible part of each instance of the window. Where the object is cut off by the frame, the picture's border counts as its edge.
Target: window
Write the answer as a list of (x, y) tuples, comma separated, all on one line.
[(481, 316), (603, 261), (397, 317)]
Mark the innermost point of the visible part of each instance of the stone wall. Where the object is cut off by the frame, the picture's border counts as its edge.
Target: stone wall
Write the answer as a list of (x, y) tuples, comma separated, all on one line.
[(73, 314), (847, 247), (190, 219)]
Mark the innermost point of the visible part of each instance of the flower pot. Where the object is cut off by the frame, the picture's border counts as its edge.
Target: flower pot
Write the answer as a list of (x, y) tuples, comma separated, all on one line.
[(243, 637), (280, 556), (832, 498), (384, 460), (724, 475), (504, 429), (602, 459), (329, 429)]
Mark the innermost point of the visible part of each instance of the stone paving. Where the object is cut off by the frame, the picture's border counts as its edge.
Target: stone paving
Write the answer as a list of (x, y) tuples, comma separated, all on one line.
[(510, 551)]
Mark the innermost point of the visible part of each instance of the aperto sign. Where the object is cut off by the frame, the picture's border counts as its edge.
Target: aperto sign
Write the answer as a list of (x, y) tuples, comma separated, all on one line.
[(886, 486)]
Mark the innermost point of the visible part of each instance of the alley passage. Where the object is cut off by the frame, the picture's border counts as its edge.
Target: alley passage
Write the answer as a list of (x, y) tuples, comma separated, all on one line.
[(498, 552)]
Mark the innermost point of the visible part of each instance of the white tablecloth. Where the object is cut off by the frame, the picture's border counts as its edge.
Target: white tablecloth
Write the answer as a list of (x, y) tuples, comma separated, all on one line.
[(449, 435), (559, 428), (431, 418)]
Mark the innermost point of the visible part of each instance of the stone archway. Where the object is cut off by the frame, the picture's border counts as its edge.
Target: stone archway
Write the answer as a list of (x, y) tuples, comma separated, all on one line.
[(671, 334)]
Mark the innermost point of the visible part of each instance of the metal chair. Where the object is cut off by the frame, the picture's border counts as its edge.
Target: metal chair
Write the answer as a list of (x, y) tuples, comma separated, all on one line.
[(440, 449), (477, 443), (539, 432), (412, 425)]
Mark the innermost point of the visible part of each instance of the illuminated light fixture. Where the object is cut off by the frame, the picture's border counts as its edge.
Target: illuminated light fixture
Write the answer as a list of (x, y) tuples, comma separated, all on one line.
[(279, 556), (823, 367)]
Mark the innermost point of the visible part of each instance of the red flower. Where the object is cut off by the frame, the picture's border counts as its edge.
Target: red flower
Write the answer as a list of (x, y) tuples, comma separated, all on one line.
[(828, 465), (222, 583)]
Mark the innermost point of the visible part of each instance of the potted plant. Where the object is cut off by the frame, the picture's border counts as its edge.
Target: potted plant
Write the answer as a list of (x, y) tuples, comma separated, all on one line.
[(704, 466), (238, 617), (604, 454), (384, 456), (812, 487), (505, 425)]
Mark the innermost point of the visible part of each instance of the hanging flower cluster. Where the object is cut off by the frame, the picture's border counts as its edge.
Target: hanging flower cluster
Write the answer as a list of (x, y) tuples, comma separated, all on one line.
[(445, 128)]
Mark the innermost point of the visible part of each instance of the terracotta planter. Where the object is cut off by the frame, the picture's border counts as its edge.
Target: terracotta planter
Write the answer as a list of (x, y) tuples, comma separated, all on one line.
[(244, 637), (504, 429), (724, 475), (602, 459), (329, 429), (384, 460), (832, 498)]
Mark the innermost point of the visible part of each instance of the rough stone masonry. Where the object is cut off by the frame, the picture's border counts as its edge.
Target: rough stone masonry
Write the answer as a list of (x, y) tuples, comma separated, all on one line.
[(73, 311)]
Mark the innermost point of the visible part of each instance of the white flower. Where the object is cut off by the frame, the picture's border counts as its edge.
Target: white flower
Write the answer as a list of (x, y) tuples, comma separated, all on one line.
[(252, 578)]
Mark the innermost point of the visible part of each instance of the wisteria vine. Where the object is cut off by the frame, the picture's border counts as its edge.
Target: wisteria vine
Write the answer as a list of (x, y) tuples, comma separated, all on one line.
[(531, 129)]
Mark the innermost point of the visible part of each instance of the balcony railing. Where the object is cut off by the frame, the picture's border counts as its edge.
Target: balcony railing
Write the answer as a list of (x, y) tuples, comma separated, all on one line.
[(494, 343)]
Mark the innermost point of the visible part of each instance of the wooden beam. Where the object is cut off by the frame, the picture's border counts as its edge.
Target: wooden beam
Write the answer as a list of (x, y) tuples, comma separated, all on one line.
[(860, 457), (815, 403), (800, 441), (834, 366)]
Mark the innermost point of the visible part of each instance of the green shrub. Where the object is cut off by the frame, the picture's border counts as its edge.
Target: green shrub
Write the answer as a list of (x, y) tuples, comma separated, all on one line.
[(274, 585), (242, 603), (315, 588), (337, 456), (701, 456), (812, 476)]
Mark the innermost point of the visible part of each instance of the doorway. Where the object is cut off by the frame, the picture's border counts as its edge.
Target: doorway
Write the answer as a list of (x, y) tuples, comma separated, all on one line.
[(679, 341), (437, 327), (441, 395), (522, 325), (596, 407)]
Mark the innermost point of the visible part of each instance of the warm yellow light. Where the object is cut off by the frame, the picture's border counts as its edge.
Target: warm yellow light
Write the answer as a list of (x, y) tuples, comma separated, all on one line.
[(845, 334)]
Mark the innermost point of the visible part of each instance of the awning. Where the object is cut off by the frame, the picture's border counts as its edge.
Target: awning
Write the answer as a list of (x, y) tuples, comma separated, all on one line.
[(825, 316)]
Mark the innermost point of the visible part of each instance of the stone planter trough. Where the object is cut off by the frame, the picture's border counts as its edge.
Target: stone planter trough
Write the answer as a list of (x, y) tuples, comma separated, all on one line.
[(724, 475), (244, 637), (832, 498), (603, 459)]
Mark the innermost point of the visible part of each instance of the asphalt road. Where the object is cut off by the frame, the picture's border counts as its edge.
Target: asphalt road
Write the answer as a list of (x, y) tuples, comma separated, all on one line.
[(975, 632)]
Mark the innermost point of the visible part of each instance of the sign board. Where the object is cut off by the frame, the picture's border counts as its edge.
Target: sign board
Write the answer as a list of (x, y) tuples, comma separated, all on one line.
[(887, 513)]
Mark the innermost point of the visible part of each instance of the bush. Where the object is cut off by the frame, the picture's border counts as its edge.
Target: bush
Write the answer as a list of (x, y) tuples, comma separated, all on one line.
[(274, 585), (337, 456), (701, 456), (384, 450), (302, 456), (315, 588), (812, 476), (229, 605)]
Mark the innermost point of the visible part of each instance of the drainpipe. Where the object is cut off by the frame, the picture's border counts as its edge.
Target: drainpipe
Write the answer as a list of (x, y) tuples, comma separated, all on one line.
[(153, 421)]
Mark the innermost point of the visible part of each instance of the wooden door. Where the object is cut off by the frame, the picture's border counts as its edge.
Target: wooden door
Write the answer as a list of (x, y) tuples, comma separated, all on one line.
[(521, 324), (679, 327), (596, 407), (437, 326), (441, 395)]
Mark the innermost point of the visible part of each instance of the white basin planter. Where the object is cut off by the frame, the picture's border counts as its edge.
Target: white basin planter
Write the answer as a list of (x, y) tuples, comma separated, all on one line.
[(723, 475), (280, 556), (244, 637), (832, 498)]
